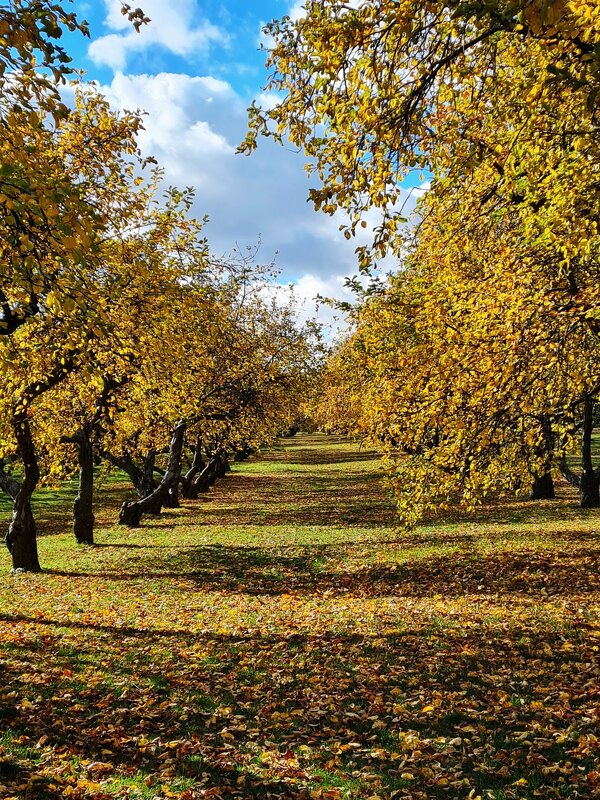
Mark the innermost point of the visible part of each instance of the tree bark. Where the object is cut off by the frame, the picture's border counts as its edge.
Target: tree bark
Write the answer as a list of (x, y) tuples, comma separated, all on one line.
[(172, 500), (21, 539), (244, 453), (568, 473), (147, 484), (197, 466), (83, 515), (543, 487), (141, 478), (219, 469), (202, 483), (589, 484), (127, 465), (132, 513)]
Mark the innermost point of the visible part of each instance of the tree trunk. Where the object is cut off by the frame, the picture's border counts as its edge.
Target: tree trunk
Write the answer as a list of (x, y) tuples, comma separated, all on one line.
[(173, 496), (83, 515), (156, 501), (589, 491), (202, 483), (589, 484), (132, 513), (147, 484), (142, 479), (127, 465), (197, 466), (245, 452), (21, 539), (217, 471), (543, 487), (222, 465)]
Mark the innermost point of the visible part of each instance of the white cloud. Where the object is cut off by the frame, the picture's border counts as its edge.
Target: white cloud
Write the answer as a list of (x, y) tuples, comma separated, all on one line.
[(420, 190), (172, 26), (268, 100), (192, 127), (182, 115), (297, 10), (310, 287), (310, 293)]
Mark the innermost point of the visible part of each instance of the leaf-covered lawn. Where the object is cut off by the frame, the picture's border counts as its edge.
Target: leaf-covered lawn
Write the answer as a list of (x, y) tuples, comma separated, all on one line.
[(280, 639)]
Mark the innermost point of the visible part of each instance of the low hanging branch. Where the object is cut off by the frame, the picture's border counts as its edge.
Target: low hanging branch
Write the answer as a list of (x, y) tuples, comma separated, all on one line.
[(142, 477)]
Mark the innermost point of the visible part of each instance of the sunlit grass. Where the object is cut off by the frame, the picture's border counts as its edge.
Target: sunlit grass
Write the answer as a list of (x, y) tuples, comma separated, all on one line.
[(282, 637)]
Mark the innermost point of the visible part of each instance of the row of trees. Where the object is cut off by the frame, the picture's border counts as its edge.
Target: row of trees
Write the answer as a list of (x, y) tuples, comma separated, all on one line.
[(474, 367), (122, 339)]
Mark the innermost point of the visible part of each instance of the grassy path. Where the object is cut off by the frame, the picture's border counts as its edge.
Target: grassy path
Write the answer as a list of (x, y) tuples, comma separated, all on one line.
[(280, 639)]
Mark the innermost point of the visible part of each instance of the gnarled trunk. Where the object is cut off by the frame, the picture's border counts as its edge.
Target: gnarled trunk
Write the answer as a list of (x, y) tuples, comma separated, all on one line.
[(21, 539), (141, 478), (197, 465), (589, 491), (221, 467), (147, 483), (132, 513), (589, 482), (83, 515), (202, 482), (543, 487), (172, 500)]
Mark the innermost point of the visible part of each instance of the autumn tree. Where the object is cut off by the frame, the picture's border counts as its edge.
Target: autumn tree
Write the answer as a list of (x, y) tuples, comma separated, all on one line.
[(95, 149), (337, 404), (498, 102), (49, 223), (239, 364), (469, 387), (371, 91)]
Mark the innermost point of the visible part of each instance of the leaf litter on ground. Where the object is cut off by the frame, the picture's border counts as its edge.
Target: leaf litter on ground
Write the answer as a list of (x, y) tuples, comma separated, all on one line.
[(282, 639)]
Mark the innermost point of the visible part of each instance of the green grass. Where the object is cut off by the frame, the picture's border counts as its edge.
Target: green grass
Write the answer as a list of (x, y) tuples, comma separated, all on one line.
[(281, 638)]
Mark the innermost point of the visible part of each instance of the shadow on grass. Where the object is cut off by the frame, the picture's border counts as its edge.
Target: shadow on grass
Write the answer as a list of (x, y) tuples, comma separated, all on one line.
[(308, 570), (231, 714), (308, 456), (298, 500), (509, 511), (319, 498)]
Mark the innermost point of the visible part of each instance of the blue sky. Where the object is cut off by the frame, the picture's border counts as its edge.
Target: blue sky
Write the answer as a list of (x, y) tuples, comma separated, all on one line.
[(194, 69)]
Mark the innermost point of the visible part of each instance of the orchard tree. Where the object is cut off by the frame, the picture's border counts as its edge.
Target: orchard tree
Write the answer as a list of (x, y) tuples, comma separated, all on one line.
[(373, 90), (95, 149), (465, 374), (237, 368), (498, 102), (49, 221), (150, 258), (337, 404)]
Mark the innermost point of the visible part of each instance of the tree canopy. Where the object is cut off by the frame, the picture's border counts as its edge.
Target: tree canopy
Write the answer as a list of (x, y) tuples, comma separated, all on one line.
[(120, 332), (472, 368)]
